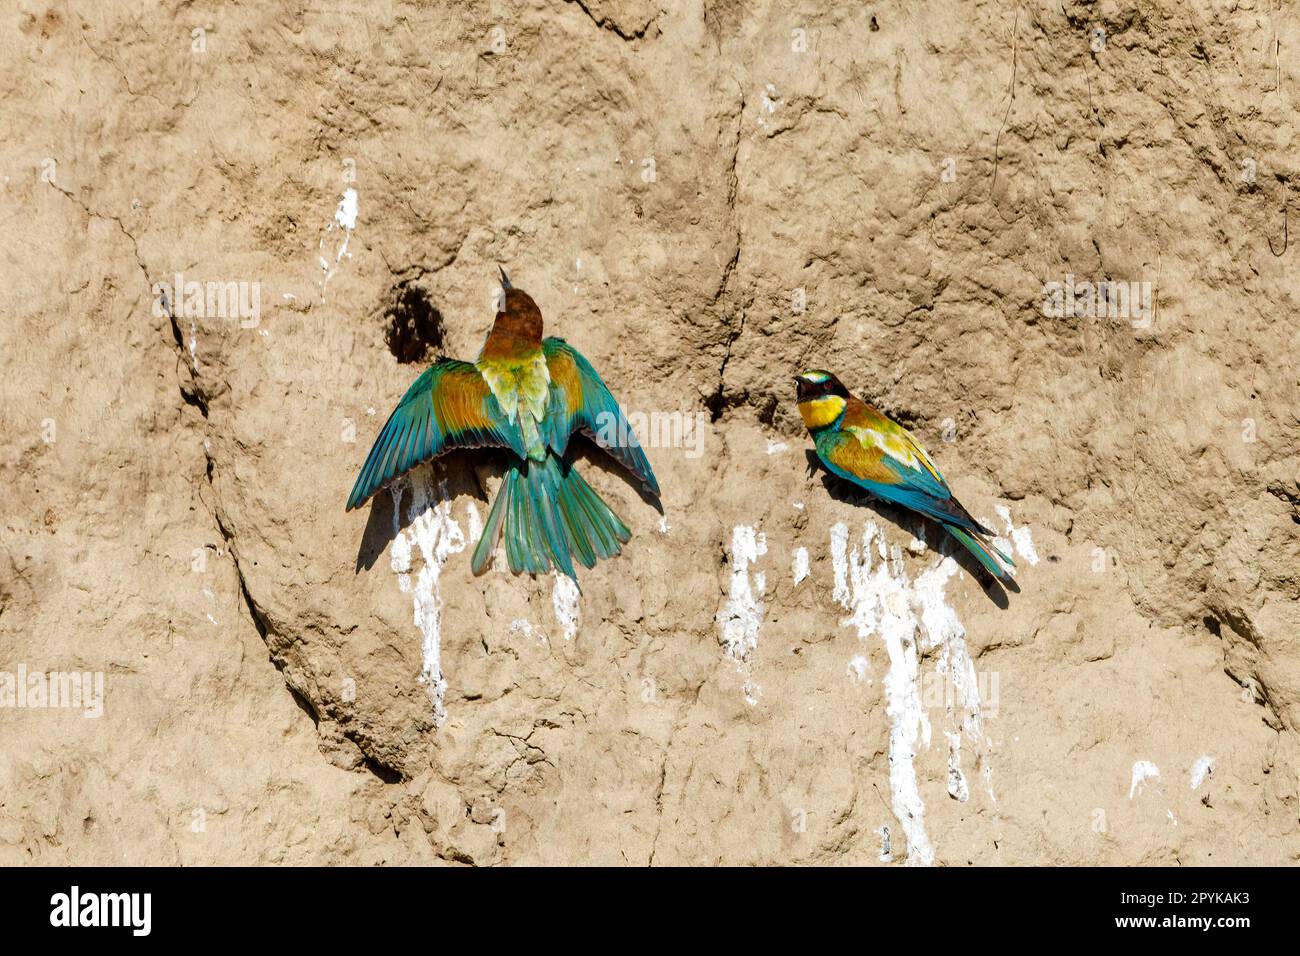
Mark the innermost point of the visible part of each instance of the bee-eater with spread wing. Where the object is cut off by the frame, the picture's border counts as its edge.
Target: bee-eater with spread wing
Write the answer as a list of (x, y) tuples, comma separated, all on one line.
[(528, 395), (861, 444)]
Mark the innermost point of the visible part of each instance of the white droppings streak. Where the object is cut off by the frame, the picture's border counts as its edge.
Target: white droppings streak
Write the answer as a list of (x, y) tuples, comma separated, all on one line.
[(346, 214), (768, 104), (1020, 537), (954, 666), (859, 667), (664, 526), (434, 532), (1024, 545), (475, 523), (840, 561), (564, 600), (1204, 767), (957, 788), (910, 618), (743, 614), (880, 604), (1143, 770), (800, 565), (527, 629), (776, 447), (345, 218)]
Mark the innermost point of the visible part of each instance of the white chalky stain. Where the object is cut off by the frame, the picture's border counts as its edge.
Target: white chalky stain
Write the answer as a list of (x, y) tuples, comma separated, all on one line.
[(880, 604), (346, 214), (911, 617), (858, 669), (664, 526), (1204, 767), (957, 788), (1020, 537), (776, 447), (434, 532), (743, 614), (564, 601), (800, 565), (527, 629), (345, 218), (1143, 770), (740, 619), (944, 632), (475, 524), (768, 104), (840, 562)]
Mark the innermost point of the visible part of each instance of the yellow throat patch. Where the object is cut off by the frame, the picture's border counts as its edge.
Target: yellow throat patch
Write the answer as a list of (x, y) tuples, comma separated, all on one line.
[(821, 411)]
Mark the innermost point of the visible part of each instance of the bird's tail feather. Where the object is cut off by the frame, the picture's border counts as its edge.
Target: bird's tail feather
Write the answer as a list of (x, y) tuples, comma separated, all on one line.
[(995, 561), (549, 516)]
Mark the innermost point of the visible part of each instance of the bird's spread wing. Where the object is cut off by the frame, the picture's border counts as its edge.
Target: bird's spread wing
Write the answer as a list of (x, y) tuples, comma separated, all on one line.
[(880, 455), (449, 406), (579, 401)]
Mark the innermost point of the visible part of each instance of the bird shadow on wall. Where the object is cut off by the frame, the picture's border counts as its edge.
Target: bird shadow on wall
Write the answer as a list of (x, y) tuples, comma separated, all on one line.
[(936, 538), (457, 474), (451, 476), (584, 452)]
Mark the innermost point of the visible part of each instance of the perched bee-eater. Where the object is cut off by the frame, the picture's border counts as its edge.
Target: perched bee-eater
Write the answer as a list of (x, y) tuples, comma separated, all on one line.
[(528, 395), (861, 444)]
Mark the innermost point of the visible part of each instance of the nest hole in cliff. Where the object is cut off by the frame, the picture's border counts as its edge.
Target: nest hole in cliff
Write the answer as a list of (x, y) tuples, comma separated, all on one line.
[(413, 326)]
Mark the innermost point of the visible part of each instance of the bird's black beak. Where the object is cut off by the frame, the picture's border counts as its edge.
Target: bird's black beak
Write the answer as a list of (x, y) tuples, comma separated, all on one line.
[(505, 279)]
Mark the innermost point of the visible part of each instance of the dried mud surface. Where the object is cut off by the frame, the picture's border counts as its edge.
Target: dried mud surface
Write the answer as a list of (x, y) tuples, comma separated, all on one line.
[(704, 197)]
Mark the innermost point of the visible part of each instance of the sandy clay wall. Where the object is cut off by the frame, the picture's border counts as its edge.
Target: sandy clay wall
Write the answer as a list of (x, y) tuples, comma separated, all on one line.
[(704, 197)]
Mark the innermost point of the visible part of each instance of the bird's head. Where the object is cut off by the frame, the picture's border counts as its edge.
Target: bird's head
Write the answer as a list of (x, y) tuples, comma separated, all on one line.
[(817, 382), (822, 397), (518, 317)]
